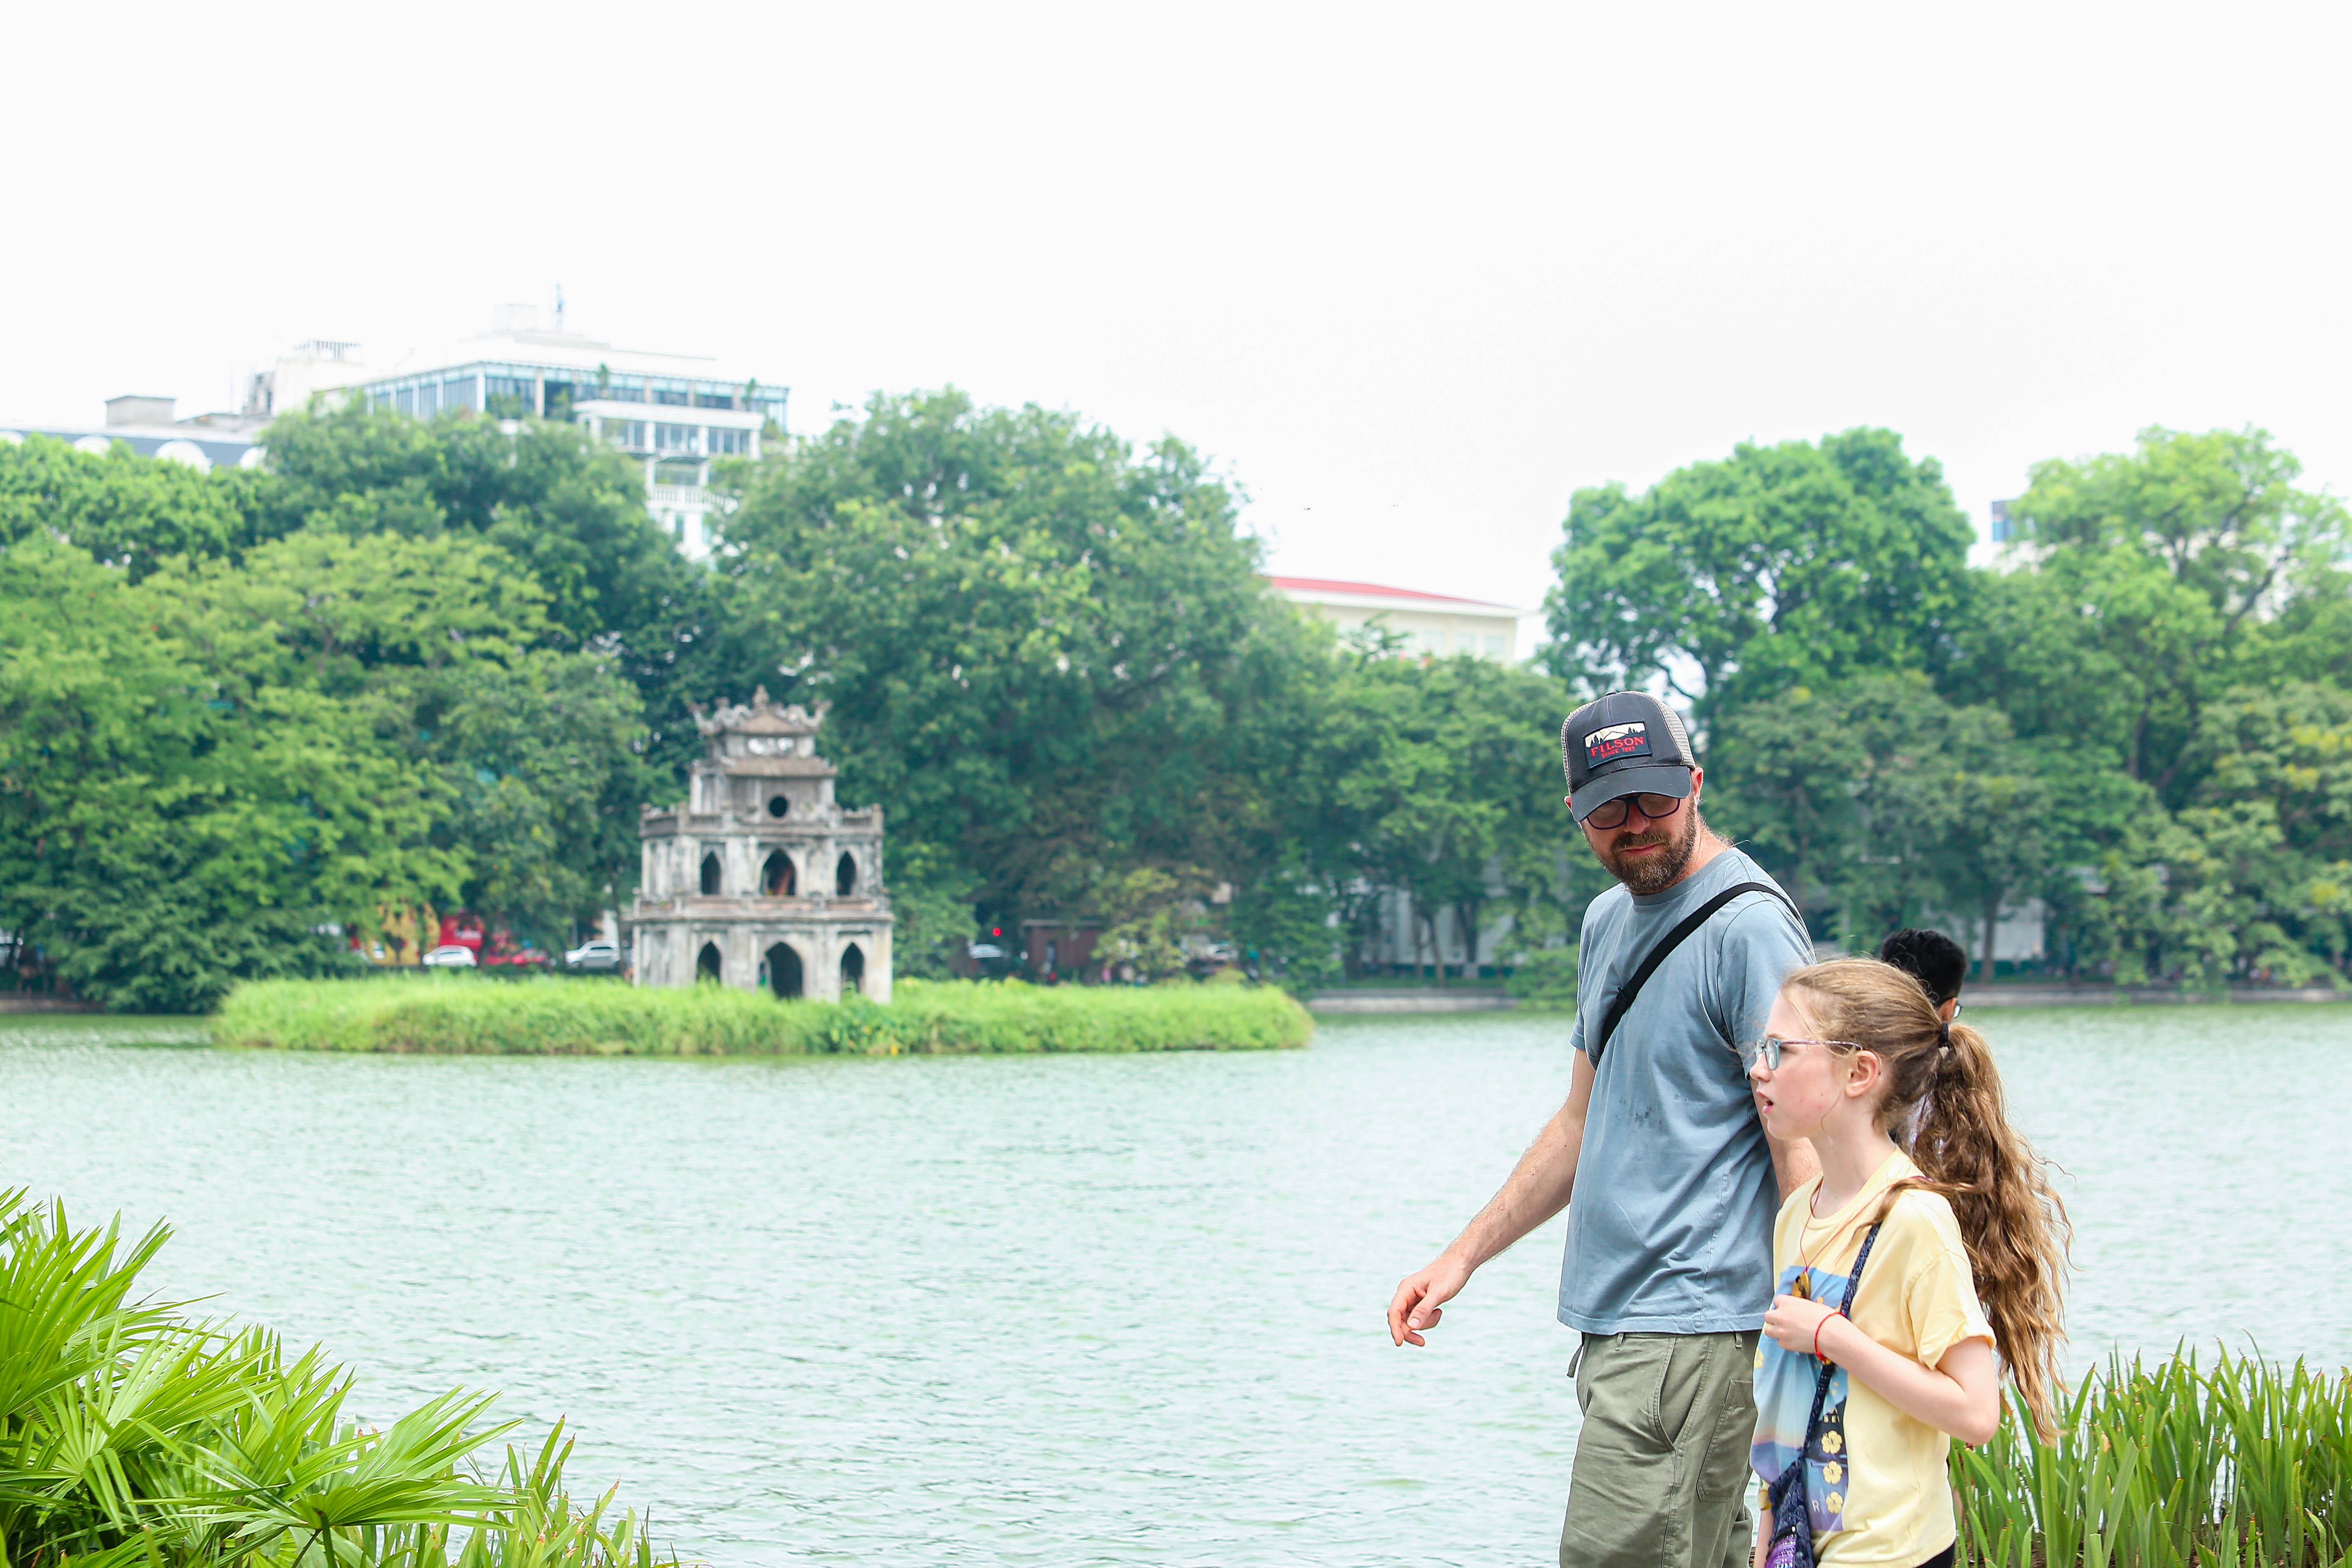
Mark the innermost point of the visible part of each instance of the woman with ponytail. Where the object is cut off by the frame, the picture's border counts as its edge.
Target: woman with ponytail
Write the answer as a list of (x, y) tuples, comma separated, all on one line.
[(1904, 1281)]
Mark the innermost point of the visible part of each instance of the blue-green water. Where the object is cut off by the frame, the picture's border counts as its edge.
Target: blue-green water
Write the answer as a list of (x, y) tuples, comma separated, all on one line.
[(1061, 1310)]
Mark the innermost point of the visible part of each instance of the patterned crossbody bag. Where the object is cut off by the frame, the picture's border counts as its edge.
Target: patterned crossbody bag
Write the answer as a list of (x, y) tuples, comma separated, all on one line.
[(1792, 1545)]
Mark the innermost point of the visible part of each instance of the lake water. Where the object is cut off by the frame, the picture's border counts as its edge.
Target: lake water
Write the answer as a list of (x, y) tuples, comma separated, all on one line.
[(1064, 1311)]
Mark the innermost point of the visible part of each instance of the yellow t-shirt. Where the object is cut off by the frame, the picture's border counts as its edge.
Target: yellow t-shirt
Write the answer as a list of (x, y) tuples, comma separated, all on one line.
[(1875, 1482)]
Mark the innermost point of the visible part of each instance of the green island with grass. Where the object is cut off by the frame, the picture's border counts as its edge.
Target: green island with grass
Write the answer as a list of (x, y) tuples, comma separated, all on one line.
[(2246, 1465), (136, 1436), (544, 1015)]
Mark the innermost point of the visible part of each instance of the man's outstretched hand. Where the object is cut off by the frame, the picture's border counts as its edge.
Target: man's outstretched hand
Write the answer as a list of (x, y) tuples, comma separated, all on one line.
[(1417, 1301)]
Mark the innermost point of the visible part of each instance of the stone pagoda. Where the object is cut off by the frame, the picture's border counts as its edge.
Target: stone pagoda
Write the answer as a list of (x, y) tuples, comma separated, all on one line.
[(759, 880)]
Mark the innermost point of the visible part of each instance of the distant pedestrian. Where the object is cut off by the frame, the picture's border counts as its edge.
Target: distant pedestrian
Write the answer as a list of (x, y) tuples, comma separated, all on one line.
[(1934, 960), (1668, 1263), (1898, 1279)]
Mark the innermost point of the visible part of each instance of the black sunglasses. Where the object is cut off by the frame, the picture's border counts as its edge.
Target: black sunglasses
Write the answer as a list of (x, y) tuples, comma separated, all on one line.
[(1657, 807)]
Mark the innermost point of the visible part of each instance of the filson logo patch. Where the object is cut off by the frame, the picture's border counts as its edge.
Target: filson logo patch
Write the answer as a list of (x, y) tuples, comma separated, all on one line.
[(1615, 741)]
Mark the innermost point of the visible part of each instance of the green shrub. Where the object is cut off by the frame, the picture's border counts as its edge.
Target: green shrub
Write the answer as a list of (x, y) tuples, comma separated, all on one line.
[(543, 1015), (2170, 1467)]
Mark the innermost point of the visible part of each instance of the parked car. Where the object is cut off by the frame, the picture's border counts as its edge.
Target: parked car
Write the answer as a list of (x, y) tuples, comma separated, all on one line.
[(593, 955), (449, 956), (989, 961), (1211, 957)]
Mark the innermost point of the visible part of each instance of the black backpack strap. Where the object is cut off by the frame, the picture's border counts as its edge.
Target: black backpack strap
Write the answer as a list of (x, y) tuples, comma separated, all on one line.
[(1622, 1002)]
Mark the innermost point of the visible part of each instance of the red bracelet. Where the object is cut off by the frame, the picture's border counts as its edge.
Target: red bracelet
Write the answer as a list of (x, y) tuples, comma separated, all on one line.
[(1817, 1333)]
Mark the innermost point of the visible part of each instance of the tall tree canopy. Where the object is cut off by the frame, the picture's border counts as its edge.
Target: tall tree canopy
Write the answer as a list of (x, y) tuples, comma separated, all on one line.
[(236, 711), (2160, 578), (2100, 721), (1036, 641), (1731, 580)]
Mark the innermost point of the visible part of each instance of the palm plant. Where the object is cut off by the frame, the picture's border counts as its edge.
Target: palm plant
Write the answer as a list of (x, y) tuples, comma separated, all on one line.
[(130, 1433)]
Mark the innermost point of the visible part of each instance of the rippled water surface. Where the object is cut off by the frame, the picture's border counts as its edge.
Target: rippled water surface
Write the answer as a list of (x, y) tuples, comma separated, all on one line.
[(1071, 1310)]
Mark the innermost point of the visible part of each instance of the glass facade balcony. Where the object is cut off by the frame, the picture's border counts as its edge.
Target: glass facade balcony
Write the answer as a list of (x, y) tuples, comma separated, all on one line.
[(510, 391), (675, 426)]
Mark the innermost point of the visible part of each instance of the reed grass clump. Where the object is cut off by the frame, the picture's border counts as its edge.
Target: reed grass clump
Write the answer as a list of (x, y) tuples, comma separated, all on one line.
[(133, 1436), (459, 1013), (2248, 1465)]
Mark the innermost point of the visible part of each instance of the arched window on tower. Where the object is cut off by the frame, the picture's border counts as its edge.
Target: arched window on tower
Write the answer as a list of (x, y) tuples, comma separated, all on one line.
[(777, 878), (783, 968), (845, 875), (709, 874), (707, 965), (853, 971)]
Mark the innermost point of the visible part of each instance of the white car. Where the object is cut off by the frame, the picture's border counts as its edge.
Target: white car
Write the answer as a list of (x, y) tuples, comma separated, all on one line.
[(449, 957), (598, 955)]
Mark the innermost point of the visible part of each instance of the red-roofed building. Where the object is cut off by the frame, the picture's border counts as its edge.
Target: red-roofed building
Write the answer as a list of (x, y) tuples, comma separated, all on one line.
[(1433, 624)]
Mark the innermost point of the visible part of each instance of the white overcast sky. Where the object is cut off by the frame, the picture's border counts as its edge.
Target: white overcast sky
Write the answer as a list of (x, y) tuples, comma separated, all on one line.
[(1411, 276)]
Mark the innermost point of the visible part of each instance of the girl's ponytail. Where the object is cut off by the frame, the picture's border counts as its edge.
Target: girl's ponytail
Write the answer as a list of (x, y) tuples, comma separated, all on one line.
[(2009, 1216)]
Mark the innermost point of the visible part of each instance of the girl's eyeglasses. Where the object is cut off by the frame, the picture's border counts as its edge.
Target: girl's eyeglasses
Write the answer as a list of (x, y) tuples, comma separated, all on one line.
[(1767, 1050), (1657, 807)]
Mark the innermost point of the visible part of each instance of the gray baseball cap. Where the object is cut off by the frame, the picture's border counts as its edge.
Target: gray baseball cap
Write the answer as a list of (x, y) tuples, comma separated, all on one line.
[(1627, 743)]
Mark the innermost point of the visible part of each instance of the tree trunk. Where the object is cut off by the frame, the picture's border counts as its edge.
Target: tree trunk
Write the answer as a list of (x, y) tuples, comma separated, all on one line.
[(1991, 923)]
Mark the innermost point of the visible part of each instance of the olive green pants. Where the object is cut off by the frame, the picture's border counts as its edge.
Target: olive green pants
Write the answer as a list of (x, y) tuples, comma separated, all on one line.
[(1661, 1477)]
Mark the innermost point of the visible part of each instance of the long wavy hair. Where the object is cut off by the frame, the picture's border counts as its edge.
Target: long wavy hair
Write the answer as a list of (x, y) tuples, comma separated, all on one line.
[(2011, 1216)]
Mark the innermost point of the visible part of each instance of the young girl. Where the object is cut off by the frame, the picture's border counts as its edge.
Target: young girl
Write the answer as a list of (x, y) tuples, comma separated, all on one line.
[(1969, 1258)]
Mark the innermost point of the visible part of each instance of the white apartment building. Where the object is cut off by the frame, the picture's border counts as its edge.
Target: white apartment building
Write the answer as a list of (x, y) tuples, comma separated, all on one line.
[(675, 414), (1433, 624)]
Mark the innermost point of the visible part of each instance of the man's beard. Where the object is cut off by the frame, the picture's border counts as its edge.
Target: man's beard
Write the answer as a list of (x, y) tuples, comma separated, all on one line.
[(1656, 873)]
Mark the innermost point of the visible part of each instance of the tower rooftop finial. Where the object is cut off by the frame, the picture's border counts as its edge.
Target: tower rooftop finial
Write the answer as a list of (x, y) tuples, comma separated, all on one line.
[(761, 716)]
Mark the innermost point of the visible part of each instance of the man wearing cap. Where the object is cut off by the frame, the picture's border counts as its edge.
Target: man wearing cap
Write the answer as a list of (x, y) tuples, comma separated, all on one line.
[(1669, 1267)]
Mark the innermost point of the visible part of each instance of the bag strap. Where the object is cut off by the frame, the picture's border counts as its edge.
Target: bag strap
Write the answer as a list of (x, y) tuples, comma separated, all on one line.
[(1622, 1002), (1845, 1310), (1792, 1511)]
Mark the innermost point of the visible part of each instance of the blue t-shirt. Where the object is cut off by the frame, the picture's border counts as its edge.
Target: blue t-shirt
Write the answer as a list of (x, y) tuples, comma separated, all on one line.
[(1670, 1229)]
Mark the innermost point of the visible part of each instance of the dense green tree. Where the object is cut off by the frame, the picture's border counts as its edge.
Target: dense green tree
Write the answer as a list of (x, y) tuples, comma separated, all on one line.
[(442, 646), (2256, 871), (1990, 852), (2157, 579), (1146, 914), (931, 897), (2218, 511), (1033, 637), (1731, 580), (1782, 775), (1453, 794), (1884, 800), (541, 757), (125, 509), (1300, 889), (2068, 745), (206, 763), (171, 817), (570, 514)]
